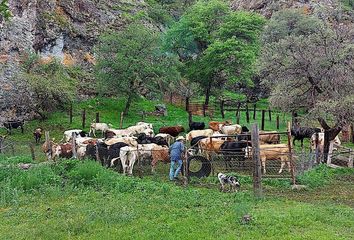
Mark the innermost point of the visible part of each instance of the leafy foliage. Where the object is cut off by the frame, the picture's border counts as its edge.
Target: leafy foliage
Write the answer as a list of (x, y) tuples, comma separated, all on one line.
[(217, 45), (51, 82), (131, 62), (4, 10)]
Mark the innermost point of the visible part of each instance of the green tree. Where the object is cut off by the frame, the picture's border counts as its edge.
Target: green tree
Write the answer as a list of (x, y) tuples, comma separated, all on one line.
[(4, 10), (216, 45), (131, 61)]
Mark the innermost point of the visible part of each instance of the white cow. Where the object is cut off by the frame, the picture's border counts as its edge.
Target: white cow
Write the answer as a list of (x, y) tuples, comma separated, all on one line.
[(230, 129), (197, 133), (169, 139), (120, 132), (131, 141), (69, 133), (147, 125), (128, 157), (98, 127)]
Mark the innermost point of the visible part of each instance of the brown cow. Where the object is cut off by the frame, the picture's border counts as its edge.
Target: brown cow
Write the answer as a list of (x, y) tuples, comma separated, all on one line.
[(174, 131), (62, 150), (216, 125), (159, 153), (209, 145), (272, 138)]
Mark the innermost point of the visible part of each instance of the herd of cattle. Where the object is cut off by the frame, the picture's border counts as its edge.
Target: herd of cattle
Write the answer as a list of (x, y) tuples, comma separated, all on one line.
[(126, 146)]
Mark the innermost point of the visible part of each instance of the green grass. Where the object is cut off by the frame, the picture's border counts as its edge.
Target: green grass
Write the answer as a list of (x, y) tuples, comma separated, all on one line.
[(81, 200)]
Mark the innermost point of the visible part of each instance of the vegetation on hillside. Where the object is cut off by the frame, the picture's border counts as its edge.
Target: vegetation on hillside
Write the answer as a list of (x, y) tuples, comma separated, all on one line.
[(4, 10)]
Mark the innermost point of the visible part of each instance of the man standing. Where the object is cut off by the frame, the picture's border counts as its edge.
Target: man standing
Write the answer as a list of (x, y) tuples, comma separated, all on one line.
[(176, 151)]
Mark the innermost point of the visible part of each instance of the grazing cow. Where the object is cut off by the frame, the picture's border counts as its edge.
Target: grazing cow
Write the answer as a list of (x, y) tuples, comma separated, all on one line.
[(110, 133), (9, 125), (320, 142), (159, 153), (299, 133), (230, 129), (196, 126), (131, 141), (103, 127), (38, 134), (272, 152), (69, 133), (62, 150), (269, 137), (228, 180), (167, 137), (197, 133), (174, 131), (215, 125)]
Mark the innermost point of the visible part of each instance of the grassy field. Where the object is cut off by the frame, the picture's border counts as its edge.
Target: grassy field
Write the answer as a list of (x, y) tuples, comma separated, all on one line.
[(82, 200)]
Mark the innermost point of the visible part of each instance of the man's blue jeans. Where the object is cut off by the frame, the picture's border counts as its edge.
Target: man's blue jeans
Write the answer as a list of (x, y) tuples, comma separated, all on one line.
[(175, 164)]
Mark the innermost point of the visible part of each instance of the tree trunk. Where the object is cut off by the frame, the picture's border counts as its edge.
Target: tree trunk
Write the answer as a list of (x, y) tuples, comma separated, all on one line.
[(207, 94), (329, 135), (127, 105)]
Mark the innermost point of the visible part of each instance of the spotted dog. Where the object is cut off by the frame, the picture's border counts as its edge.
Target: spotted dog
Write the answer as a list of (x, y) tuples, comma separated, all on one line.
[(228, 180)]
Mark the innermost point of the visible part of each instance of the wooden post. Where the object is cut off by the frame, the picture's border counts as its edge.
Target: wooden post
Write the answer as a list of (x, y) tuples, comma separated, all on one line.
[(238, 118), (270, 115), (1, 143), (121, 120), (254, 111), (32, 151), (73, 143), (263, 116), (171, 98), (238, 108), (83, 119), (185, 170), (49, 146), (351, 157), (97, 117), (190, 118), (278, 121), (222, 102), (257, 171), (71, 114), (290, 159), (247, 114), (352, 131), (204, 110), (187, 104)]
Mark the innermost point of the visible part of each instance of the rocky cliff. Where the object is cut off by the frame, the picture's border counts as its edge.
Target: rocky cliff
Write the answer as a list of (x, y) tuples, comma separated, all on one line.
[(68, 30)]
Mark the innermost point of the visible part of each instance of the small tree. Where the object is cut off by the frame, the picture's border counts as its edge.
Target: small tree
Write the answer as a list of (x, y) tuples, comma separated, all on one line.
[(131, 60), (309, 66), (51, 84), (4, 10)]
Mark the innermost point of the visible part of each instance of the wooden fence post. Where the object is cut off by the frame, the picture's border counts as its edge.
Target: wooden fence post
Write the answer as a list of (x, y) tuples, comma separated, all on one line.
[(1, 143), (71, 114), (204, 110), (257, 171), (187, 104), (270, 115), (49, 146), (352, 131), (73, 143), (97, 117), (247, 114), (190, 118), (121, 120), (263, 116), (351, 157), (83, 118), (185, 170), (254, 111), (238, 117), (290, 159), (278, 121), (32, 151), (222, 108)]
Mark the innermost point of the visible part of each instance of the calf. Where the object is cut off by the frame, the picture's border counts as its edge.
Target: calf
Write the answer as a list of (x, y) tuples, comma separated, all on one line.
[(62, 150), (196, 126), (103, 127), (174, 131), (299, 133), (9, 125), (38, 134), (159, 153), (272, 152)]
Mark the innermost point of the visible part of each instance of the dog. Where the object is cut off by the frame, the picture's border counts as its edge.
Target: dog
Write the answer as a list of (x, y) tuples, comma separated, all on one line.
[(228, 180)]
